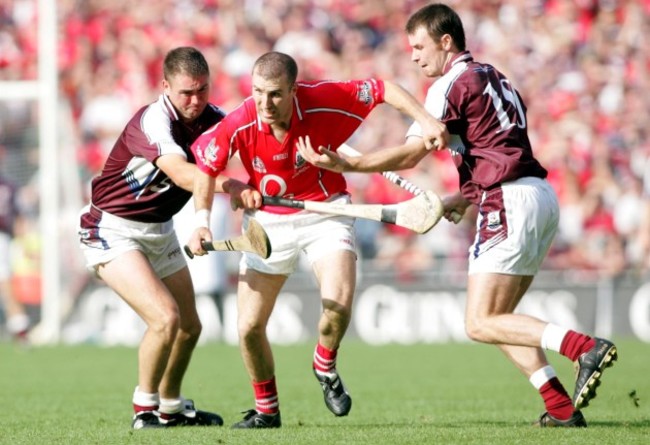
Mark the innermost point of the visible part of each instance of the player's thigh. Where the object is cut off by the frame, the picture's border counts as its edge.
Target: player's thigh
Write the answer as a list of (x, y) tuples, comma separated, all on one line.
[(256, 296), (180, 286), (131, 276), (336, 275), (283, 238), (494, 293)]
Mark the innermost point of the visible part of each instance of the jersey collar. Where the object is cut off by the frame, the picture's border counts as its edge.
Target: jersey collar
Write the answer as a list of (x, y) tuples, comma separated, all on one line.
[(169, 107), (461, 57)]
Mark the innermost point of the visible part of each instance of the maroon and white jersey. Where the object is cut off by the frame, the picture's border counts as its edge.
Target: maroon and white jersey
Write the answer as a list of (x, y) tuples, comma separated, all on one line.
[(328, 112), (130, 185), (8, 206), (487, 121)]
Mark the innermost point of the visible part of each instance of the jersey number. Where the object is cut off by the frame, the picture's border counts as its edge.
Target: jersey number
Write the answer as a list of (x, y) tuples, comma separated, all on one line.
[(162, 186), (506, 93)]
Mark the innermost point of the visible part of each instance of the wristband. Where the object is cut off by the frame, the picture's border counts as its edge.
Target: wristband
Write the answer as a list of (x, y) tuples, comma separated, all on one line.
[(202, 218)]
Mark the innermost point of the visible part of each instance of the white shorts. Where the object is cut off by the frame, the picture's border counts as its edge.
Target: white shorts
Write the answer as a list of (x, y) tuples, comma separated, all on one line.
[(5, 256), (315, 234), (104, 237), (515, 228)]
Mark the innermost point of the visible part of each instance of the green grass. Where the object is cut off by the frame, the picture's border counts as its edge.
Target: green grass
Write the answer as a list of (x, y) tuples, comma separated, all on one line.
[(420, 394)]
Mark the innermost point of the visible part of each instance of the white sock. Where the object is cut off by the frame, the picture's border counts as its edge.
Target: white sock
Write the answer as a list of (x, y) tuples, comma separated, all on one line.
[(144, 398), (552, 337), (17, 323), (541, 376), (171, 406)]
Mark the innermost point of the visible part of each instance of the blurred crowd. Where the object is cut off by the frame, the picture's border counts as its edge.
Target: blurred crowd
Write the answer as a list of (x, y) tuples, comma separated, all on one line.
[(580, 65)]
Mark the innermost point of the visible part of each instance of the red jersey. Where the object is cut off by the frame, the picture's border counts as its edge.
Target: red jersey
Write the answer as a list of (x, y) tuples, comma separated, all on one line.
[(486, 118), (130, 185), (329, 112)]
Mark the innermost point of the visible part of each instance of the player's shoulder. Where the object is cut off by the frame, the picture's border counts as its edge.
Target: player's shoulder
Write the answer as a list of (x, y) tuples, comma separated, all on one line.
[(215, 111), (160, 112), (314, 92), (211, 116), (242, 117), (317, 87), (243, 114)]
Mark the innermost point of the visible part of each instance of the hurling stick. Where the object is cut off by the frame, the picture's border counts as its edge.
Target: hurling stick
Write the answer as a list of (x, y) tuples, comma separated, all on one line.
[(254, 240), (396, 179), (418, 214)]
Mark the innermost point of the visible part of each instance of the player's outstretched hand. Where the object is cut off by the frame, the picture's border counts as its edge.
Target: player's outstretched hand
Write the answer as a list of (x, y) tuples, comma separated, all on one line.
[(323, 158)]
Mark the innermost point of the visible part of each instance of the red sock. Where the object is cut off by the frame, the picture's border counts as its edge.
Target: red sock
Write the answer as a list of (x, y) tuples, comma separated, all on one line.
[(266, 397), (557, 401), (576, 344), (324, 359), (139, 408)]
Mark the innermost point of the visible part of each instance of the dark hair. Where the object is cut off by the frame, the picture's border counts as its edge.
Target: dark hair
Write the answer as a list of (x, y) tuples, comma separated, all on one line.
[(438, 20), (274, 64), (185, 59)]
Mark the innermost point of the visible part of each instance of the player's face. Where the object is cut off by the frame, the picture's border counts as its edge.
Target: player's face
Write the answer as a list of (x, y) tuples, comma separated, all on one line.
[(431, 56), (273, 99), (188, 94)]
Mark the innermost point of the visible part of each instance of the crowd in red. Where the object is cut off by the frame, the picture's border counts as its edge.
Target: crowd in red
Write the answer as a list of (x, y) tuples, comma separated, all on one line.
[(580, 65)]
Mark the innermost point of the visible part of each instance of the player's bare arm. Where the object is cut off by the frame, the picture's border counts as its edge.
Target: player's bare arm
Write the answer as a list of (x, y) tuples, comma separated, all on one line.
[(203, 190), (436, 135), (182, 173), (394, 158), (178, 169)]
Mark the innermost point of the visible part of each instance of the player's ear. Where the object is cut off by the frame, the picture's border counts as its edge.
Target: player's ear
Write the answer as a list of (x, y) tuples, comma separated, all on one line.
[(446, 41)]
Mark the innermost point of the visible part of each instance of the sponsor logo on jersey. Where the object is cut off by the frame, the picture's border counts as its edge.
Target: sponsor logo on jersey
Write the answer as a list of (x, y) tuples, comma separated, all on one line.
[(364, 95), (208, 155), (280, 156), (258, 165), (299, 161), (210, 152)]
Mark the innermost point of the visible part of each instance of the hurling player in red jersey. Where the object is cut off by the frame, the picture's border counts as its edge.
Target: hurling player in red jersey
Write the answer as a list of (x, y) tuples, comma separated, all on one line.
[(518, 210), (264, 130), (128, 239)]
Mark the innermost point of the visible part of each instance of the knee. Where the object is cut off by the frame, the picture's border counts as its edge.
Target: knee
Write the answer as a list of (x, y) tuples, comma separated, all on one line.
[(250, 329), (476, 330), (335, 318), (337, 313), (167, 325), (190, 333), (334, 309)]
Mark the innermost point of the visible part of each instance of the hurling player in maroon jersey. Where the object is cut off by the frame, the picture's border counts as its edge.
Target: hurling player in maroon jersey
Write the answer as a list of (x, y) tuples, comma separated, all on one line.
[(518, 210), (128, 239), (264, 131)]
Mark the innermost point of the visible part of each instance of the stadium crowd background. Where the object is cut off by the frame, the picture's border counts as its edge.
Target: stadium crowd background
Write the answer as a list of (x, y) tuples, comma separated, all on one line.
[(580, 65)]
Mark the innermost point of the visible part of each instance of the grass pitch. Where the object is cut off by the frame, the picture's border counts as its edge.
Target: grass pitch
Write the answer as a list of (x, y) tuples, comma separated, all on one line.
[(417, 394)]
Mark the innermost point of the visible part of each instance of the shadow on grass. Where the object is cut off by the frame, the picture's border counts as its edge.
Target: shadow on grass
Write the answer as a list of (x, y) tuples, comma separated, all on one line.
[(621, 423), (473, 423)]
